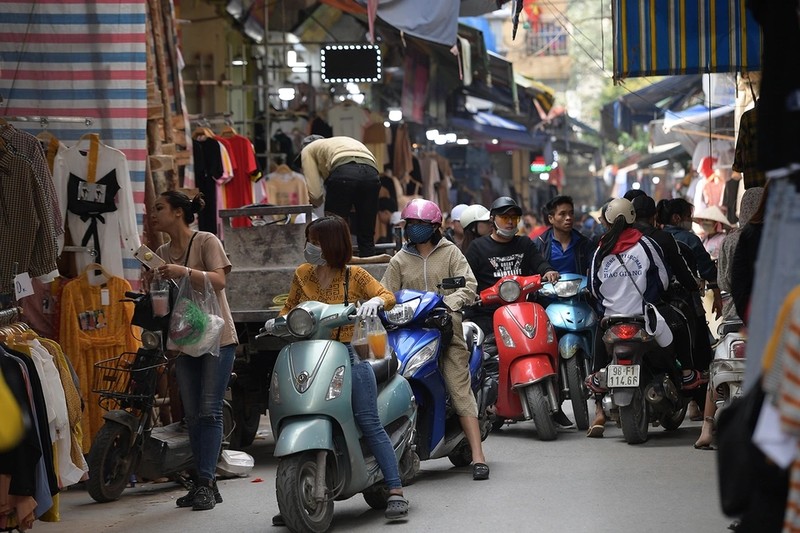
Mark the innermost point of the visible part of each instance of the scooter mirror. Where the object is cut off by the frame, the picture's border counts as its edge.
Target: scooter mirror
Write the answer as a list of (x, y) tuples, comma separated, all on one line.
[(453, 283)]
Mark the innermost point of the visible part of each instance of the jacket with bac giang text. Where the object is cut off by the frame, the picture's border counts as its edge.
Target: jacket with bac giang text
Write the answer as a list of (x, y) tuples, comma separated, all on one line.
[(611, 284)]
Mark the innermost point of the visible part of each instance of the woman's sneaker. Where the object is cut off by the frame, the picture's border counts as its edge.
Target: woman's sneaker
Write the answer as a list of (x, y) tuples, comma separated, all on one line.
[(188, 499)]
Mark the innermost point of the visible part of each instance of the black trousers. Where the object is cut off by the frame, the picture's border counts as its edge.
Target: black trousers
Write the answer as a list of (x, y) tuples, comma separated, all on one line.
[(355, 185)]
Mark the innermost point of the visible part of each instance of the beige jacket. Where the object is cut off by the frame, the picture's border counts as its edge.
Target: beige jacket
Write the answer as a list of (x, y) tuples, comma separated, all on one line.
[(409, 270), (320, 157)]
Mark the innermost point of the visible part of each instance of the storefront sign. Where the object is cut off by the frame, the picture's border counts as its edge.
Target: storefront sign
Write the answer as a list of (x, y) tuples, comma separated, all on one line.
[(346, 63)]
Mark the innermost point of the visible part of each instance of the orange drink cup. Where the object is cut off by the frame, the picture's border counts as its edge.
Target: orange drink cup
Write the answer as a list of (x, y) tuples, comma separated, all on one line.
[(378, 341)]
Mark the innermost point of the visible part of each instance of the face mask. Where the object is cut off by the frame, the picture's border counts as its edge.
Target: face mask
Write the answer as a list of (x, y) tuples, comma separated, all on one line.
[(419, 233), (313, 254), (505, 233)]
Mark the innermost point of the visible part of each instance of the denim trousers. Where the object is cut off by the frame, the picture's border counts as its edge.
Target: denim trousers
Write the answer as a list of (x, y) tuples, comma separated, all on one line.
[(203, 381), (365, 411)]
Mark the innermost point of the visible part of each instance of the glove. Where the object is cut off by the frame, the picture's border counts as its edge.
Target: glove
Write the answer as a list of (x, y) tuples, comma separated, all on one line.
[(370, 307), (269, 326)]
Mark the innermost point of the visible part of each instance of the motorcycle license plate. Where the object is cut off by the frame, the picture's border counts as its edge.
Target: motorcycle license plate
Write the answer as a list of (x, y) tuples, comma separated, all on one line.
[(622, 376)]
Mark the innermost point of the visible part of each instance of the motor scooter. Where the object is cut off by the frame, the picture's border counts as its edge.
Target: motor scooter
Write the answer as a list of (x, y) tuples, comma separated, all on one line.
[(321, 457), (420, 329), (727, 369), (528, 351), (129, 442), (643, 379), (576, 326)]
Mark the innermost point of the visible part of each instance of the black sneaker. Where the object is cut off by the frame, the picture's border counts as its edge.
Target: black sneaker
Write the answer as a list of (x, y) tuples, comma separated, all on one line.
[(188, 499), (203, 499), (562, 420)]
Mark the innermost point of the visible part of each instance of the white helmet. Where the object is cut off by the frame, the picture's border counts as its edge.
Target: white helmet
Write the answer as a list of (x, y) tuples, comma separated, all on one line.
[(457, 211), (620, 207), (474, 213)]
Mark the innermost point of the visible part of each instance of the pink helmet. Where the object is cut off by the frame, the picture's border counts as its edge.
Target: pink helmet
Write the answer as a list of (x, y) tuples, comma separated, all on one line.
[(420, 209)]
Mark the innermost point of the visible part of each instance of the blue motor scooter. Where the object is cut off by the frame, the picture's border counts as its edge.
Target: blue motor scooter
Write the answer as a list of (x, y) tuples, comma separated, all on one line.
[(576, 326), (420, 328), (321, 455)]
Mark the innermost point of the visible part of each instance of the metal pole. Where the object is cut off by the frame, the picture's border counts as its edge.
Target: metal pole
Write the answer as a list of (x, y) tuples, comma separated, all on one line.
[(265, 66)]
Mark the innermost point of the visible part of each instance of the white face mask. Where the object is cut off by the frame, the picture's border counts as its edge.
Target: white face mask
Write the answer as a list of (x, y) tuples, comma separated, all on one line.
[(313, 254)]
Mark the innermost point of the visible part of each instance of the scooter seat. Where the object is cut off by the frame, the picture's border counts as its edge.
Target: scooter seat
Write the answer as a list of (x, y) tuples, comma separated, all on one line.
[(731, 326), (385, 368)]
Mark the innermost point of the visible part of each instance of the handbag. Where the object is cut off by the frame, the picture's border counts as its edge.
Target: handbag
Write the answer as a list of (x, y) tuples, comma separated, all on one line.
[(654, 322), (739, 461), (195, 327)]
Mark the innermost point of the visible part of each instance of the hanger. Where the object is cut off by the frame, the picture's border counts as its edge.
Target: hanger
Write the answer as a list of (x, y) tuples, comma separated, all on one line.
[(95, 267), (228, 131), (283, 168), (89, 137), (46, 136), (202, 131)]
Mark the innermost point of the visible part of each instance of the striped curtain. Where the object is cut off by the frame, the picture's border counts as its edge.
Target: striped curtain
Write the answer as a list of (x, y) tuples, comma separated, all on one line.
[(84, 59), (666, 37)]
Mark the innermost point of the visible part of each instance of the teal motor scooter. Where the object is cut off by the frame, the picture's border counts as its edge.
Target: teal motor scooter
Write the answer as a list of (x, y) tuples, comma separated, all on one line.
[(321, 455), (575, 323)]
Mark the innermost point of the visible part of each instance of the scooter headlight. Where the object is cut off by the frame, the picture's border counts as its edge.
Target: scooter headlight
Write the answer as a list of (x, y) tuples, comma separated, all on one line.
[(509, 291), (423, 355), (567, 289), (336, 384), (402, 313), (151, 340), (300, 322)]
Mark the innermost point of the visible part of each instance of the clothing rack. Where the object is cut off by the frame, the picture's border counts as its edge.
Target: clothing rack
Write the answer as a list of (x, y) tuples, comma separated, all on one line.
[(45, 121), (10, 315)]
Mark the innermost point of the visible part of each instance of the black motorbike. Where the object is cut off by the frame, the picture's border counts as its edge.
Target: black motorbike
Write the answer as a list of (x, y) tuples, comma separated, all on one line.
[(643, 379), (129, 442)]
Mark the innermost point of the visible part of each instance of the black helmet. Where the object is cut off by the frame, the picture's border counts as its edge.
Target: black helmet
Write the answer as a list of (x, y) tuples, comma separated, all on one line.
[(503, 205)]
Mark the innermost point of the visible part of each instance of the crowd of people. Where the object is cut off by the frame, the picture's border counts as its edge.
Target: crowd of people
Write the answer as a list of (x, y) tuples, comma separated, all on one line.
[(655, 240)]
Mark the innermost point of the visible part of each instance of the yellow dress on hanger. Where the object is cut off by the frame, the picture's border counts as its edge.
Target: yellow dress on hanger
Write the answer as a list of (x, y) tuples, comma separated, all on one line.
[(95, 326)]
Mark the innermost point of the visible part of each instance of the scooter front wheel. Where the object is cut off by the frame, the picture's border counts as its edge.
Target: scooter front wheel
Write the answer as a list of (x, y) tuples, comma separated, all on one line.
[(577, 391), (540, 411), (110, 461), (294, 482)]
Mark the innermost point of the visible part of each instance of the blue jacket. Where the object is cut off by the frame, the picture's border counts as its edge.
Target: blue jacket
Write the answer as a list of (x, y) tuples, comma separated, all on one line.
[(705, 265), (584, 249)]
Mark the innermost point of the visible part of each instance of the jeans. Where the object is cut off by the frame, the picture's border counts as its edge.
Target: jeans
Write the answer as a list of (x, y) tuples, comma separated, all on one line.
[(355, 184), (365, 410), (203, 381)]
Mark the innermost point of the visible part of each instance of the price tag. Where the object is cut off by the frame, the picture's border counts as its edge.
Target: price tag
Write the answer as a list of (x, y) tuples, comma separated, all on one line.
[(104, 298), (22, 286)]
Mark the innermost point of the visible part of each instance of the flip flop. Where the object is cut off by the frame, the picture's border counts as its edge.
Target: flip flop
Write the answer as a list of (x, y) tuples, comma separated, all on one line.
[(396, 507), (704, 447), (596, 431), (480, 471)]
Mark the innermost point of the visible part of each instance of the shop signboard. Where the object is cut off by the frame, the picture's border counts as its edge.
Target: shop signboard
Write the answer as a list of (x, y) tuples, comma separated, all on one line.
[(350, 63)]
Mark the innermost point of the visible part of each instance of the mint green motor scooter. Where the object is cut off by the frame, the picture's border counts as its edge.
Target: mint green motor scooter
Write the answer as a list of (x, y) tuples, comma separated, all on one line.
[(321, 455)]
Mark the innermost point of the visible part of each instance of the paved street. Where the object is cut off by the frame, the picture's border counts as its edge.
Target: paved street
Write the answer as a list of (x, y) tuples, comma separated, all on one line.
[(574, 484)]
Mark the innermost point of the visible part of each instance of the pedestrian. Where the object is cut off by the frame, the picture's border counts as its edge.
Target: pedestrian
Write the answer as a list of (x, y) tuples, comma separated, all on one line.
[(476, 223), (342, 172), (750, 201), (202, 380), (532, 225), (743, 267), (325, 277), (423, 262), (715, 225)]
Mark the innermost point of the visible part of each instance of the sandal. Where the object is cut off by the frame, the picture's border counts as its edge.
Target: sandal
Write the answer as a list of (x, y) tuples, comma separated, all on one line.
[(396, 507), (480, 471), (596, 431)]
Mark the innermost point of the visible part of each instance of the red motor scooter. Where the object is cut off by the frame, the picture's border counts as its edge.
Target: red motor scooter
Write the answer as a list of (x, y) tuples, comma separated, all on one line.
[(528, 351)]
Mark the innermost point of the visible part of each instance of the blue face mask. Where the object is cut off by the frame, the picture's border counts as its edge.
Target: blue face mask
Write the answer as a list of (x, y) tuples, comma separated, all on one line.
[(419, 233), (313, 254)]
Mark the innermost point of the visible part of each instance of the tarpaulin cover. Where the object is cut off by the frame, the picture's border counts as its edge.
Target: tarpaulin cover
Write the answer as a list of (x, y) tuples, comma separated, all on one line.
[(665, 37), (84, 59), (435, 21)]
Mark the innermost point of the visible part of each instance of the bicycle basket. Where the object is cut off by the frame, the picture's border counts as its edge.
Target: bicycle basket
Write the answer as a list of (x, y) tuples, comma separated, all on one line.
[(128, 381)]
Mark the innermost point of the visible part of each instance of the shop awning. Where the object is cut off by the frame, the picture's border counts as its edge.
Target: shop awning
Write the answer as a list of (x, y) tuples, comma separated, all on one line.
[(488, 126), (695, 116), (675, 153), (684, 37), (648, 103)]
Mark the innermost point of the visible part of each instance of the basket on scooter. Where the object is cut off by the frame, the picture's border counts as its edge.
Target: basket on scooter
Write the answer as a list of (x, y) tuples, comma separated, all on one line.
[(128, 380)]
